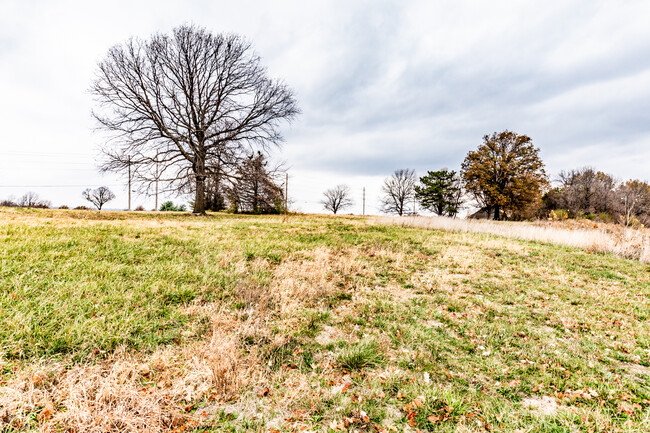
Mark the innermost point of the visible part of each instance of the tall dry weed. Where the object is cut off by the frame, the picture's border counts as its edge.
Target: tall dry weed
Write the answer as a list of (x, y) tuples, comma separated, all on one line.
[(621, 241)]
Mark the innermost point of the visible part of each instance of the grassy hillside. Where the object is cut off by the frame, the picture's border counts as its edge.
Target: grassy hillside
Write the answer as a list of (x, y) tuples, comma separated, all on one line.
[(145, 322)]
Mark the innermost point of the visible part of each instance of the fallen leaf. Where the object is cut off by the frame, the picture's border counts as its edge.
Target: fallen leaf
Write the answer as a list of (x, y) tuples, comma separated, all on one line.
[(46, 413)]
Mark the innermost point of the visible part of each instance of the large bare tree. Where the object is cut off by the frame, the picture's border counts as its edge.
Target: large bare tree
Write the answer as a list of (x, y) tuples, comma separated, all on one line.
[(398, 191), (180, 107), (337, 198)]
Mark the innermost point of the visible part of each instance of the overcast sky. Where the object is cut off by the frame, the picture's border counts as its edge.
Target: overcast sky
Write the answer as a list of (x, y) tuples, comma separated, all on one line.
[(382, 85)]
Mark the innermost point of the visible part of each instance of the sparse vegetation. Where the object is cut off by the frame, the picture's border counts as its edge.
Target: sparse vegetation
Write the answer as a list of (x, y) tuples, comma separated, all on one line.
[(28, 200), (119, 321)]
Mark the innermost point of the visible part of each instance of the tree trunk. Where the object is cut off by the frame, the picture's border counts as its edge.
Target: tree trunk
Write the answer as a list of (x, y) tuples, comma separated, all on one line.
[(497, 212), (199, 172)]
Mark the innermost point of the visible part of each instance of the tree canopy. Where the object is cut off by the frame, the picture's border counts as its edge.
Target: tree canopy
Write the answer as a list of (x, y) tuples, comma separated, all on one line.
[(505, 175)]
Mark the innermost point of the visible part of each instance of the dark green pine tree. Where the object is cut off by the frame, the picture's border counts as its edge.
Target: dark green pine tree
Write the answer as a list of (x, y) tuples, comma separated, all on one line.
[(440, 192)]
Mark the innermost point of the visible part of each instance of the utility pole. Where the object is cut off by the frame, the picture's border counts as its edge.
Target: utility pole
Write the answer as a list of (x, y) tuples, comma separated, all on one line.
[(415, 210), (129, 164), (364, 201), (286, 193), (156, 207)]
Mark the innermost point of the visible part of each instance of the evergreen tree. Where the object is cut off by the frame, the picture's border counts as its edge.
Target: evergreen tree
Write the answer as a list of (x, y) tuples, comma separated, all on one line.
[(440, 192)]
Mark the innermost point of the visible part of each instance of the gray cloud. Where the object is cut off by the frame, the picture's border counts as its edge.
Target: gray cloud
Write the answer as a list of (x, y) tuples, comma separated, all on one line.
[(382, 84)]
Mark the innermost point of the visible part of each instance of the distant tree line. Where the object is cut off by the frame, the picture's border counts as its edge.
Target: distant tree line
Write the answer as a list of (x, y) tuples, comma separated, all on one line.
[(29, 199), (592, 194), (505, 179)]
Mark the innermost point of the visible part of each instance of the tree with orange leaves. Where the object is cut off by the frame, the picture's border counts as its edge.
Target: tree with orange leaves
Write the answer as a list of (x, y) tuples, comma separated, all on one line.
[(505, 175)]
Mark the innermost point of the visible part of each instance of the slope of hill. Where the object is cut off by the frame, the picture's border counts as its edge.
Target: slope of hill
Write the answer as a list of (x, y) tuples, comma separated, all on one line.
[(147, 322)]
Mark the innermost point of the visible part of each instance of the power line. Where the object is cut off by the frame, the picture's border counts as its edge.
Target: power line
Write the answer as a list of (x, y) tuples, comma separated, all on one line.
[(55, 186), (54, 164), (47, 153)]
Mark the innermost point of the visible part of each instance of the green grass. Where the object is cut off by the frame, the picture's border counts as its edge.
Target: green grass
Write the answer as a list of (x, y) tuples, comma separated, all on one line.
[(337, 317), (363, 354)]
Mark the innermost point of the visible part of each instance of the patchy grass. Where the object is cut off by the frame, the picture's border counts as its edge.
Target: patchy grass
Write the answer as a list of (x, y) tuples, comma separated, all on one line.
[(147, 322), (362, 354)]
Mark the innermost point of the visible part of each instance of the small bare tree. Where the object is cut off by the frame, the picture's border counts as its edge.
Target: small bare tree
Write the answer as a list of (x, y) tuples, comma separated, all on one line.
[(337, 198), (31, 199), (180, 107), (633, 201), (398, 191), (98, 197)]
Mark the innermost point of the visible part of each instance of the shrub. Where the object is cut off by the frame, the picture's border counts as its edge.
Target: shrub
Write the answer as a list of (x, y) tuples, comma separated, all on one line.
[(605, 217), (558, 215), (81, 208), (365, 353), (8, 203), (169, 206), (63, 207), (634, 222), (139, 208)]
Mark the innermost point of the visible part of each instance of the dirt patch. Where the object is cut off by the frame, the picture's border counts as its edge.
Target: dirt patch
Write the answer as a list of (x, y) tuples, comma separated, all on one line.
[(329, 335), (542, 405)]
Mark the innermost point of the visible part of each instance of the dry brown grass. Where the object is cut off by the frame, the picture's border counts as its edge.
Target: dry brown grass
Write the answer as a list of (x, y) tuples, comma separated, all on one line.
[(305, 279), (127, 392), (603, 238)]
